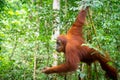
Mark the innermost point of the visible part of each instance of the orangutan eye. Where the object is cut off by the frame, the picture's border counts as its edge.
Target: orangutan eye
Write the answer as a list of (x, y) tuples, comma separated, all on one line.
[(58, 42)]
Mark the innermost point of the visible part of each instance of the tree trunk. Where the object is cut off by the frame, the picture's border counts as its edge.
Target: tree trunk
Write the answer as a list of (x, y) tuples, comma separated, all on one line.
[(56, 30)]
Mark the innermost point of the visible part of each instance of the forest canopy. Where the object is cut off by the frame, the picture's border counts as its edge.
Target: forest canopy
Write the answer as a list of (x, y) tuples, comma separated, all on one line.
[(27, 28)]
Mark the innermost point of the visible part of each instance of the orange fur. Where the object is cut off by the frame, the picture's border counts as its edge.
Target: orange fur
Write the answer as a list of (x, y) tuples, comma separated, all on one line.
[(75, 52)]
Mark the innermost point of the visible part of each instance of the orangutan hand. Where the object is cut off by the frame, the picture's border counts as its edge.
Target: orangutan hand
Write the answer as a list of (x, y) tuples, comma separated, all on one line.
[(45, 70)]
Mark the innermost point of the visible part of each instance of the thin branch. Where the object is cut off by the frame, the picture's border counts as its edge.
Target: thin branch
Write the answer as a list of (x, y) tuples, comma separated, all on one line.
[(93, 27), (12, 54)]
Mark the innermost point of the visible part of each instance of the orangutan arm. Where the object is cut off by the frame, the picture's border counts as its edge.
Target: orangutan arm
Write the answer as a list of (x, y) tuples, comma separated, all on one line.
[(71, 63)]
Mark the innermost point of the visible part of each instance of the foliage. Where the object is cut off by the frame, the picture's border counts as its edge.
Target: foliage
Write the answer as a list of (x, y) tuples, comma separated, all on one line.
[(27, 24)]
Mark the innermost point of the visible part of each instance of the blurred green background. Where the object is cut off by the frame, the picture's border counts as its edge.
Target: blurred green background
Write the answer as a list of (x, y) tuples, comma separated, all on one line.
[(26, 27)]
